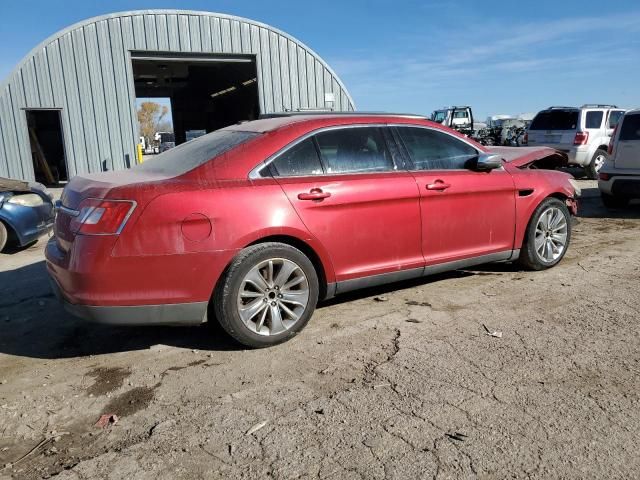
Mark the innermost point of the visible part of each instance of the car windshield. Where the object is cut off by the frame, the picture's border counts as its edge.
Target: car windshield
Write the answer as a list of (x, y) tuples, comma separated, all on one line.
[(189, 155), (555, 120), (439, 116)]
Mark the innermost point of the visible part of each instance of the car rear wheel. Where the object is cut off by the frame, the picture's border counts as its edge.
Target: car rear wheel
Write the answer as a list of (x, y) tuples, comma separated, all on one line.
[(547, 236), (614, 202), (597, 161), (267, 294), (4, 236)]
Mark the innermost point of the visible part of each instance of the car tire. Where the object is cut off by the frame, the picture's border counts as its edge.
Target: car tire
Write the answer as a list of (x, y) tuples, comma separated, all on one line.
[(548, 227), (266, 295), (597, 161), (611, 201), (4, 236)]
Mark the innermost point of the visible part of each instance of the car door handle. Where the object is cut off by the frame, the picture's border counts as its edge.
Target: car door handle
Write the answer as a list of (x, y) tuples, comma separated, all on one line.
[(314, 194), (438, 185)]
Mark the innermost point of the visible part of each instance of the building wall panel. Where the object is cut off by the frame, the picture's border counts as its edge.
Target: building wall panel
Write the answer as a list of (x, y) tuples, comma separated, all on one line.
[(85, 71)]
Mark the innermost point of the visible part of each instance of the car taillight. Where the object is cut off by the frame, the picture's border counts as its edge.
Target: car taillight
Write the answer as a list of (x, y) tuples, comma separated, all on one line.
[(581, 138), (102, 217), (604, 176), (613, 135), (525, 139)]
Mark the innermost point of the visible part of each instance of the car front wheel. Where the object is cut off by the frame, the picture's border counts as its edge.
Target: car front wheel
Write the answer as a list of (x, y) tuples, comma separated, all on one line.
[(547, 236), (267, 294)]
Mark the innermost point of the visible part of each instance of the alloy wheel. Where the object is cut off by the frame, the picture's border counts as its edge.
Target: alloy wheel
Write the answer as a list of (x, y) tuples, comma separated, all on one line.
[(598, 162), (551, 234), (273, 296)]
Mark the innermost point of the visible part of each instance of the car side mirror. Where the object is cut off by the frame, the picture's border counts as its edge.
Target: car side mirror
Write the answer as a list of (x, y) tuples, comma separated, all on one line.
[(487, 161)]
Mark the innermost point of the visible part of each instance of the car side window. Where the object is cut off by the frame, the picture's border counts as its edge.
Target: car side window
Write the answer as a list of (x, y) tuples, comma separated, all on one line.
[(354, 150), (298, 161), (614, 118), (433, 150), (593, 119), (630, 129)]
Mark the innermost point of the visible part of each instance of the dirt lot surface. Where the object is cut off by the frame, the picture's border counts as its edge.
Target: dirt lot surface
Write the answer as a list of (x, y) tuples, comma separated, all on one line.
[(405, 385)]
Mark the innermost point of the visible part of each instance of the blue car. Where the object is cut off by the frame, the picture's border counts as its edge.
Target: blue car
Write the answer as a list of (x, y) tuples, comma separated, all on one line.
[(26, 212)]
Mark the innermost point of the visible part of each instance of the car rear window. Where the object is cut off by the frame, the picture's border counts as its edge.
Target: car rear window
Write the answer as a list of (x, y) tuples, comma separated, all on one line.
[(192, 154), (555, 120), (300, 160), (630, 129), (594, 119)]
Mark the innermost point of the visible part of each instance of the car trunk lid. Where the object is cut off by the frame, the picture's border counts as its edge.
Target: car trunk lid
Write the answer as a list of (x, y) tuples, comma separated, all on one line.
[(133, 185)]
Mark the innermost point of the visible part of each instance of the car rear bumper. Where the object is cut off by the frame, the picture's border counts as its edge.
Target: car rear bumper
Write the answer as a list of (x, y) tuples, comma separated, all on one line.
[(133, 290), (627, 186), (578, 156), (193, 313)]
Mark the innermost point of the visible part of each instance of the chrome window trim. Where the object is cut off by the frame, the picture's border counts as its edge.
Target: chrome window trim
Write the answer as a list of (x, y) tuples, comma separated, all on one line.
[(254, 174), (463, 140)]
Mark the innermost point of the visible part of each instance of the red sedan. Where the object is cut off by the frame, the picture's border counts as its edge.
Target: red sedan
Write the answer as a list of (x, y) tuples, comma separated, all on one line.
[(251, 225)]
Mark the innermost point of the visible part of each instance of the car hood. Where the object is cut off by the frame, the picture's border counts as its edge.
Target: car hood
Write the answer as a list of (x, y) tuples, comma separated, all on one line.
[(523, 157)]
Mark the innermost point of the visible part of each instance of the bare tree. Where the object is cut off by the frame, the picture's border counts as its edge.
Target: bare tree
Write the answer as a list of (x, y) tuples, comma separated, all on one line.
[(151, 119)]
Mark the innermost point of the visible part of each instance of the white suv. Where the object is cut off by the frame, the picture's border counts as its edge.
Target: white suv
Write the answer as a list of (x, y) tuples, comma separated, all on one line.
[(582, 133), (619, 179)]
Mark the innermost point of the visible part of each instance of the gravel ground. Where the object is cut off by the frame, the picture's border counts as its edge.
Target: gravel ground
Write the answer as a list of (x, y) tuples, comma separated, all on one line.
[(397, 382)]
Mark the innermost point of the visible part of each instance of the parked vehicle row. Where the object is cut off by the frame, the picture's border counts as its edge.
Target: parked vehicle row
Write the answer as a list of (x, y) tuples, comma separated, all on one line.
[(251, 225), (582, 133)]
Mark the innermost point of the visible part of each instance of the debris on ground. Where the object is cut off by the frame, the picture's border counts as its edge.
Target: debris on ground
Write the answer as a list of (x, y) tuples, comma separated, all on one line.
[(413, 303), (494, 333), (256, 427), (381, 385), (42, 443), (106, 420), (413, 320), (457, 436), (381, 298)]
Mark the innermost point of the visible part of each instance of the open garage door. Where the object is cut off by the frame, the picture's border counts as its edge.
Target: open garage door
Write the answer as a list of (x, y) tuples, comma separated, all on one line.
[(207, 92)]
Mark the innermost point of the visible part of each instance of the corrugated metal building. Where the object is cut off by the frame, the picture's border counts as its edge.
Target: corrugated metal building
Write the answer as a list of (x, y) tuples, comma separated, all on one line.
[(73, 98)]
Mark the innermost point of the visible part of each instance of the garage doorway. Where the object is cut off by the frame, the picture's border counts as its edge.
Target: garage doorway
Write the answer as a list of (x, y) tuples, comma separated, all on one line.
[(207, 92), (47, 146)]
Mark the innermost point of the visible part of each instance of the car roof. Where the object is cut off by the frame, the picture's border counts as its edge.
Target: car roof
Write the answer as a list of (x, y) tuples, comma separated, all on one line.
[(278, 121)]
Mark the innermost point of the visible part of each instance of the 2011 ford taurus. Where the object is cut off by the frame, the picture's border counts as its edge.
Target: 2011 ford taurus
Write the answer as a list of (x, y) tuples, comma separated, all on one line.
[(251, 225)]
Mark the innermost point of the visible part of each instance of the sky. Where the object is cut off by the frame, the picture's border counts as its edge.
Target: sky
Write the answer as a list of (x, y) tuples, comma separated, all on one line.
[(500, 57)]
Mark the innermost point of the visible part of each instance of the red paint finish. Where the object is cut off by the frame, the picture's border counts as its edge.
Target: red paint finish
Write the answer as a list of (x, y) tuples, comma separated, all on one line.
[(185, 229), (465, 214), (370, 223), (196, 227)]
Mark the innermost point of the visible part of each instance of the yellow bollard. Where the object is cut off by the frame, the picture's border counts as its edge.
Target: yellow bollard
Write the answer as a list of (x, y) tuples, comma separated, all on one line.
[(139, 151)]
